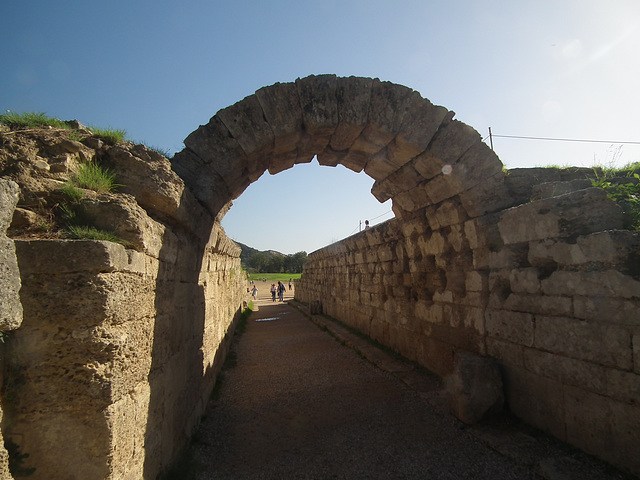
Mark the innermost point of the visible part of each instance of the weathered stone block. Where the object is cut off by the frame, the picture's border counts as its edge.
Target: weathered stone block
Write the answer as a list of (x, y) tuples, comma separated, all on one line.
[(568, 371), (607, 310), (593, 435), (420, 122), (555, 189), (413, 200), (69, 256), (210, 189), (615, 247), (246, 122), (450, 212), (476, 281), (506, 353), (214, 144), (607, 345), (442, 187), (379, 165), (578, 213), (386, 111), (537, 400), (609, 283), (525, 280), (553, 251), (622, 386), (514, 327), (281, 107), (448, 145), (399, 181), (355, 160), (509, 257), (315, 307), (353, 95), (625, 434), (319, 103), (10, 306), (539, 304), (475, 388), (487, 197)]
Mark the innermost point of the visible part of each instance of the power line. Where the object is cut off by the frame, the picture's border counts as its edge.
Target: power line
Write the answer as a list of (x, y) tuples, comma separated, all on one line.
[(521, 137), (382, 215), (359, 227)]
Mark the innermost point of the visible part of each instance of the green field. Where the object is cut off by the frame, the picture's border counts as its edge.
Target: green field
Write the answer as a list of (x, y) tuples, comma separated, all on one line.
[(274, 277)]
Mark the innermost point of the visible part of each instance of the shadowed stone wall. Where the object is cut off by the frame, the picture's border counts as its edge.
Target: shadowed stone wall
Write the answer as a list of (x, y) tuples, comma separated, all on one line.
[(10, 306), (527, 267), (119, 348), (548, 288)]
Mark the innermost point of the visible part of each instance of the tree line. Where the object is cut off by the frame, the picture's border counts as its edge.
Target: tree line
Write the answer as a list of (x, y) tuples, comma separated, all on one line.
[(260, 262)]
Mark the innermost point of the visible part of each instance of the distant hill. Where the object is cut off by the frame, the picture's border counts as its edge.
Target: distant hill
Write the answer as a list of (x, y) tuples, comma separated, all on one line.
[(248, 252), (253, 260)]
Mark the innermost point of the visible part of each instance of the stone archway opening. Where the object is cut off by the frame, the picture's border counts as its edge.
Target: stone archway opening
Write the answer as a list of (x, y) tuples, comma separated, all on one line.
[(414, 151), (533, 271), (304, 208)]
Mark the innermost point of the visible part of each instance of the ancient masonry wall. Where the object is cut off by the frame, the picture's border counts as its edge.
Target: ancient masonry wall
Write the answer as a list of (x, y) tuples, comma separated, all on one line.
[(119, 348), (10, 306), (113, 357), (546, 288)]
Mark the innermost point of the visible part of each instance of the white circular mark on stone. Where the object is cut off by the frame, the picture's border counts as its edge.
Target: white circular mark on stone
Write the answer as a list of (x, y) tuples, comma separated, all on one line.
[(447, 169)]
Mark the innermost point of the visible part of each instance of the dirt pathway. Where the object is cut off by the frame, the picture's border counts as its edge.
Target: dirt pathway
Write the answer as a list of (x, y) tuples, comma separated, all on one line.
[(301, 405)]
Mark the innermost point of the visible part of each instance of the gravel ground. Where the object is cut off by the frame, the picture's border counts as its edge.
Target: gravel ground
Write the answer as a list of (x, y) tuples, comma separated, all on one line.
[(300, 405)]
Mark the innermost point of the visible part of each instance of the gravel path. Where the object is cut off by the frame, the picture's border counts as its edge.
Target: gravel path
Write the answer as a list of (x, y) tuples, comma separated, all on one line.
[(300, 405)]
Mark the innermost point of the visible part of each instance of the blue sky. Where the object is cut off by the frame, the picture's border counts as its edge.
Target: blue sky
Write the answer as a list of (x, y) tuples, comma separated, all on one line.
[(549, 68)]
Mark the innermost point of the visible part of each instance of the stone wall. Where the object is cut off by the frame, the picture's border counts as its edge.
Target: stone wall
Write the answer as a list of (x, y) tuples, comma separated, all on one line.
[(119, 347), (10, 306), (548, 288)]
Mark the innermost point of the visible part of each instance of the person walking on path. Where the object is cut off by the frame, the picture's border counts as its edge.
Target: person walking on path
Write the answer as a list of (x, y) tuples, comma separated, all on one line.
[(281, 289), (273, 292), (254, 293)]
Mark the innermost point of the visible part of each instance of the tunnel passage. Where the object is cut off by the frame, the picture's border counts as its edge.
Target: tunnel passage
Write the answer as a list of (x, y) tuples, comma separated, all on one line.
[(416, 153), (528, 268)]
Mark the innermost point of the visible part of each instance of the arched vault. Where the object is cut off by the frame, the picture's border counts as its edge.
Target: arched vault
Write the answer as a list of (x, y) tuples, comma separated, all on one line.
[(414, 150)]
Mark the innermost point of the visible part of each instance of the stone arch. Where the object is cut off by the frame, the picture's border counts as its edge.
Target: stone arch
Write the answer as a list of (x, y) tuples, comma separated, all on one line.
[(414, 150)]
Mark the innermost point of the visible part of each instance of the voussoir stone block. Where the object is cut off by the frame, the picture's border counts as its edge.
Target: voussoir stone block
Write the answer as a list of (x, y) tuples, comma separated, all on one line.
[(399, 181), (319, 103), (420, 122), (245, 120), (450, 142), (386, 110), (353, 95), (221, 152), (281, 106)]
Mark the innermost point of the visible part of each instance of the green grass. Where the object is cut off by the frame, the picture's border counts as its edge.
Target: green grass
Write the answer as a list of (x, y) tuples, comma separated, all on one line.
[(72, 192), (94, 177), (112, 135), (81, 232), (274, 277), (625, 194), (31, 120)]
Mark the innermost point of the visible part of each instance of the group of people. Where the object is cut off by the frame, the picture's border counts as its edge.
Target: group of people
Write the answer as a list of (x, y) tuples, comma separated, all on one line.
[(275, 290), (279, 290)]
